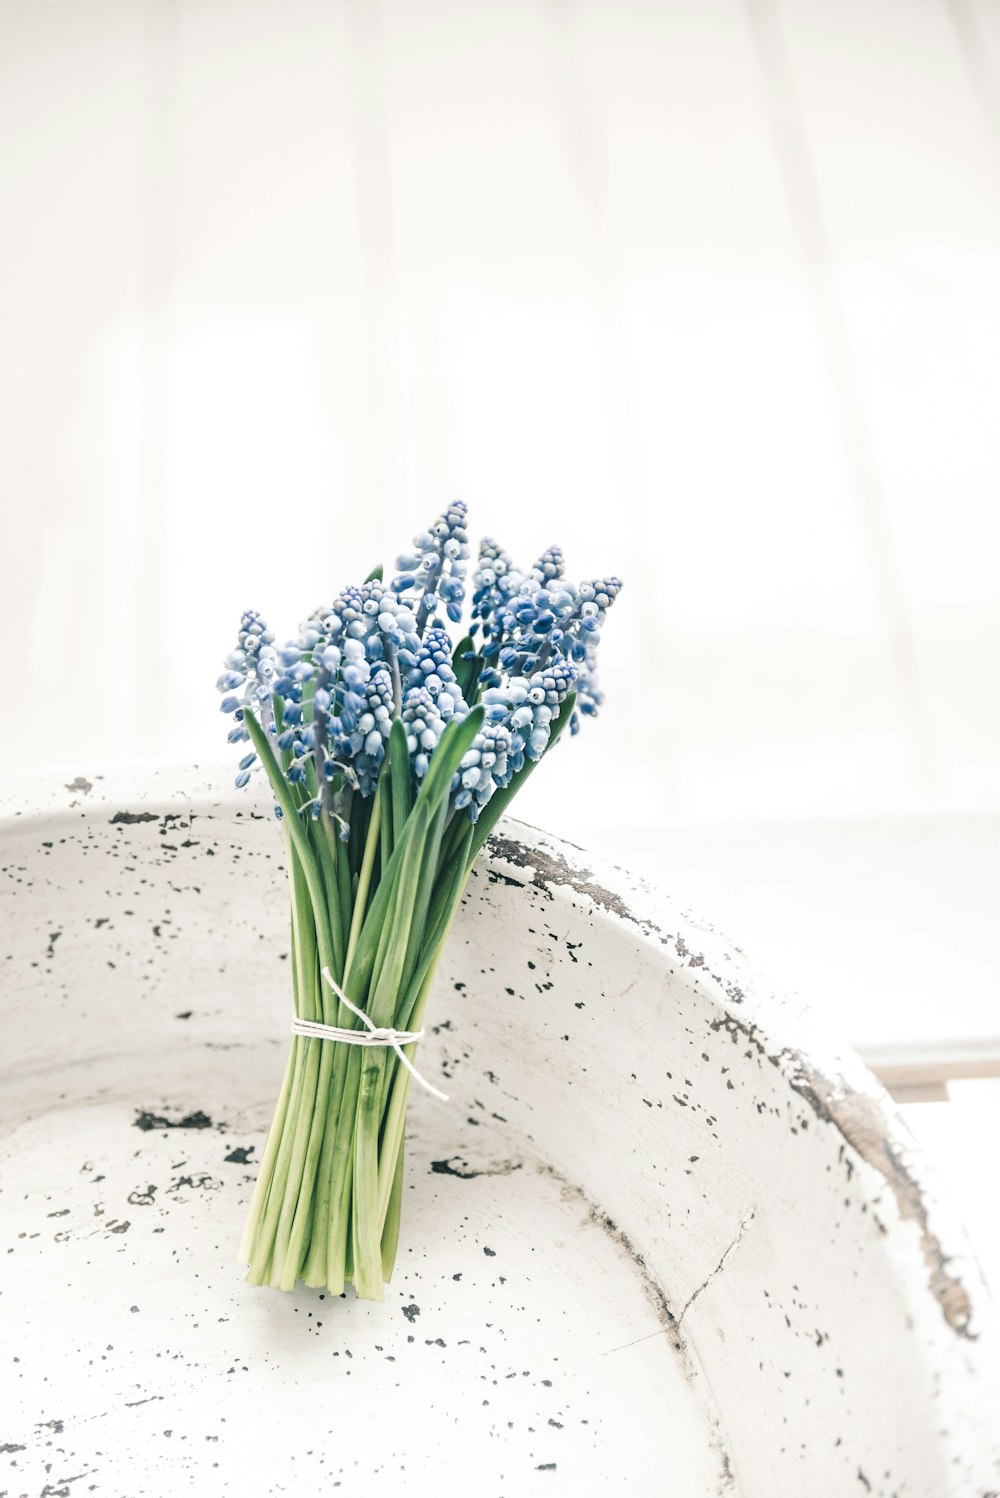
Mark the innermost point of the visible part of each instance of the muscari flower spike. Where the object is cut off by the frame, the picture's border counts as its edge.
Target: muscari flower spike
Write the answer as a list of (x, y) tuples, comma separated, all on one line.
[(430, 666), (485, 768), (246, 681), (371, 730), (424, 726), (550, 565), (434, 572), (582, 629), (527, 706)]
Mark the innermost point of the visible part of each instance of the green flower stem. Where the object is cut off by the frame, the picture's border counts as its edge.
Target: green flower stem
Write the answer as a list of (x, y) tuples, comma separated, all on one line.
[(263, 1184), (326, 848), (262, 1187), (300, 841), (444, 907), (365, 1221), (279, 1214), (340, 1168), (399, 779), (310, 1192), (384, 794), (272, 1182), (390, 1228), (455, 831), (292, 1164), (364, 878), (344, 891), (390, 964), (302, 1187)]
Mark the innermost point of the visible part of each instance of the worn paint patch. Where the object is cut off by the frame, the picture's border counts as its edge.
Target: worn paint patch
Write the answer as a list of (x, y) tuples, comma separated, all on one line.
[(861, 1122), (858, 1118), (195, 1120), (658, 1299), (552, 869)]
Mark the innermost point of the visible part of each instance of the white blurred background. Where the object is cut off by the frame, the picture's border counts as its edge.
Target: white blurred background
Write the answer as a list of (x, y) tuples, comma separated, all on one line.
[(707, 290)]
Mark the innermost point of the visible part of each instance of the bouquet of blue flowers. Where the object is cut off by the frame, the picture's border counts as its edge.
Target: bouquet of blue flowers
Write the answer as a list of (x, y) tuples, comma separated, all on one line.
[(391, 751)]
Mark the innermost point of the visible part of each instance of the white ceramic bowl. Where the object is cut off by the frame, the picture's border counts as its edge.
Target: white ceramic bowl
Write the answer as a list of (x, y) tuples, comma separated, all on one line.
[(665, 1238)]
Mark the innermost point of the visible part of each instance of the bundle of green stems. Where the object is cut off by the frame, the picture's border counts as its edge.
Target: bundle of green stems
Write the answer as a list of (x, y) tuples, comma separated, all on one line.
[(372, 914)]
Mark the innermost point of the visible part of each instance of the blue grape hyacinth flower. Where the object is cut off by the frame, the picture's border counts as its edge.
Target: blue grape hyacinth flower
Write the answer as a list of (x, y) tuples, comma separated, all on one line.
[(382, 652)]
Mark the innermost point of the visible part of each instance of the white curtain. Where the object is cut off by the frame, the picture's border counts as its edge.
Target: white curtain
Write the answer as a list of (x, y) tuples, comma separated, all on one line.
[(710, 293)]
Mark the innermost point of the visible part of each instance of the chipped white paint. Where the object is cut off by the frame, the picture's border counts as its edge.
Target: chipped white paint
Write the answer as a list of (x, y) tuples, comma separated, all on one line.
[(665, 1237)]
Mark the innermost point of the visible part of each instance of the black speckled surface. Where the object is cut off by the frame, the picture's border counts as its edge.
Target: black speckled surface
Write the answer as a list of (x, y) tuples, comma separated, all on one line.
[(665, 1226)]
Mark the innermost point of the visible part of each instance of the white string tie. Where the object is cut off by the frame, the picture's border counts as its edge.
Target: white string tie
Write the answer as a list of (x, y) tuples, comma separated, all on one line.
[(373, 1035)]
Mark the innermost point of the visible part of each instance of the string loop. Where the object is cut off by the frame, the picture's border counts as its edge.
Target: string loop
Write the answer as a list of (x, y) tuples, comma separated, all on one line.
[(372, 1035)]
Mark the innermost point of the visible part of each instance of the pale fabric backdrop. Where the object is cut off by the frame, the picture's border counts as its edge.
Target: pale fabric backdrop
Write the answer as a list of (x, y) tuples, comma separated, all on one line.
[(710, 292)]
